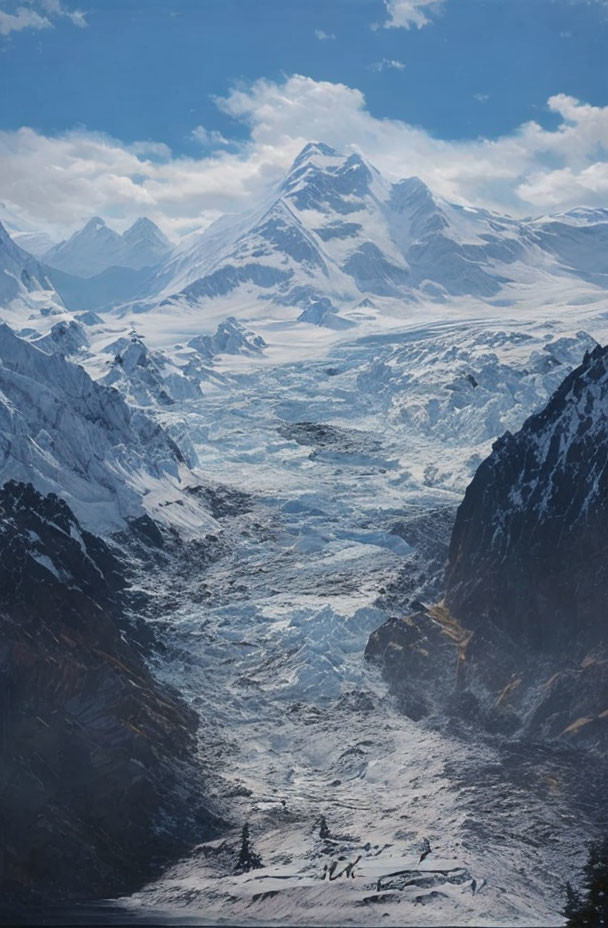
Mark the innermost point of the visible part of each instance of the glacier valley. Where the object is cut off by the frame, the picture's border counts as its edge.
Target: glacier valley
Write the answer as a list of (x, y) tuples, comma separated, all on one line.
[(295, 402), (339, 481)]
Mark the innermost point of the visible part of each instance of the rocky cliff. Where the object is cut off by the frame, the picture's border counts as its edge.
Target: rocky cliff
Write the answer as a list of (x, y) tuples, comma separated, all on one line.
[(97, 787), (519, 640)]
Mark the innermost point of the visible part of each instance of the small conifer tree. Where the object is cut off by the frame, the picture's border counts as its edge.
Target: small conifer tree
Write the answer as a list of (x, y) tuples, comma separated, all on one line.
[(589, 908), (324, 831), (248, 859)]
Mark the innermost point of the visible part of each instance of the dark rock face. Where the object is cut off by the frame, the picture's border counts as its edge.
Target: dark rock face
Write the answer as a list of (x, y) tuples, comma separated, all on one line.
[(96, 788), (529, 550), (520, 641)]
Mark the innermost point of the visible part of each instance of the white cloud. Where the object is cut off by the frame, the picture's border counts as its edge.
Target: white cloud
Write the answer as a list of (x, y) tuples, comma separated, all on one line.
[(56, 8), (209, 138), (324, 36), (481, 97), (37, 14), (403, 14), (21, 19), (387, 64), (56, 182), (493, 172)]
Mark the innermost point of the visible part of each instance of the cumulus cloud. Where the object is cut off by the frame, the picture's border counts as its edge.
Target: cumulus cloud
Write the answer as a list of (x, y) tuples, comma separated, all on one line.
[(209, 138), (21, 19), (387, 64), (403, 14), (56, 8), (56, 182), (324, 36), (35, 14)]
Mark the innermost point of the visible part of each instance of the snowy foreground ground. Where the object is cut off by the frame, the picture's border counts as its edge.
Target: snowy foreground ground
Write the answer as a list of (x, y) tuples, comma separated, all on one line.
[(267, 641)]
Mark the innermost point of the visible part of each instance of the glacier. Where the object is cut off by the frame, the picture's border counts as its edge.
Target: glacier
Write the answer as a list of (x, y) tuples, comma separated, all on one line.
[(334, 456), (302, 393)]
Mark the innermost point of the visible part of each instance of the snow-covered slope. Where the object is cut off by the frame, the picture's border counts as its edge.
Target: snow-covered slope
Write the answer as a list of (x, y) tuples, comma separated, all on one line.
[(527, 552), (35, 243), (579, 241), (336, 239), (144, 377), (22, 278), (64, 433), (96, 247)]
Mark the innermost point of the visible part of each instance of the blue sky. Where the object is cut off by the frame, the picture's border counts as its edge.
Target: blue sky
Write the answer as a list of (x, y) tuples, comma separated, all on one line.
[(150, 70), (453, 70)]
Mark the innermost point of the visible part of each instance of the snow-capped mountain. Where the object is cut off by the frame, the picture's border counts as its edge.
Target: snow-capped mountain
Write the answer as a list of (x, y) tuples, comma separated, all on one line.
[(230, 338), (31, 239), (144, 245), (64, 433), (29, 284), (96, 247), (334, 243), (336, 237), (22, 277)]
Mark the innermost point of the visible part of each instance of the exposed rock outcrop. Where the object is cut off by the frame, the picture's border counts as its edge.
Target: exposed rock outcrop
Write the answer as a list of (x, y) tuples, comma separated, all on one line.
[(520, 640), (529, 550), (97, 782)]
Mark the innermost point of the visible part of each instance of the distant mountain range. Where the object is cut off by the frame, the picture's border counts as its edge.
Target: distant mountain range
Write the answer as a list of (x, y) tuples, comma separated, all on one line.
[(333, 238), (96, 247)]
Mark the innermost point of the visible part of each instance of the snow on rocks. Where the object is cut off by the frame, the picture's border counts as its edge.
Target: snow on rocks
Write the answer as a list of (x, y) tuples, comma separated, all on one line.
[(230, 338), (68, 435)]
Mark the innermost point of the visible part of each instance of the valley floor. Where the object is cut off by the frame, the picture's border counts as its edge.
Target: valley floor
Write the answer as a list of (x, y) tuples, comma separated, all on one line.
[(342, 476)]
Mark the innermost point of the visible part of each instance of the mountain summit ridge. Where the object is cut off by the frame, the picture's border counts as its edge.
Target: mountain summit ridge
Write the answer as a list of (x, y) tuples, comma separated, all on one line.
[(96, 247), (334, 229)]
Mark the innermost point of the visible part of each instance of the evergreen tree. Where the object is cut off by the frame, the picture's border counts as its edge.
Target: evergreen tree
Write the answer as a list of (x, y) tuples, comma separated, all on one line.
[(324, 831), (248, 859), (589, 908), (573, 905)]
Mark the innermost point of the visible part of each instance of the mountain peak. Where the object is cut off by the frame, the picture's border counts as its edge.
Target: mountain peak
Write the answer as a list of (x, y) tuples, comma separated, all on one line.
[(321, 178), (314, 156), (142, 224), (412, 189), (313, 150), (144, 229), (95, 224), (96, 247)]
